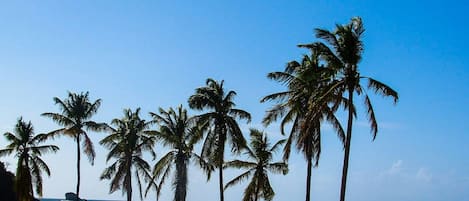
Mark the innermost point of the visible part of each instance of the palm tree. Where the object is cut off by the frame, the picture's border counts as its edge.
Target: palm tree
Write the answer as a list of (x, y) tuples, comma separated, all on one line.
[(30, 166), (76, 112), (179, 132), (126, 143), (303, 105), (343, 53), (223, 126), (260, 152)]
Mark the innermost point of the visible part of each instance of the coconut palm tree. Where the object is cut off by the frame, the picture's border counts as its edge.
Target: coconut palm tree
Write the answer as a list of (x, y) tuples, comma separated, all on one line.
[(343, 52), (28, 150), (260, 152), (127, 143), (303, 105), (179, 132), (75, 115), (221, 116)]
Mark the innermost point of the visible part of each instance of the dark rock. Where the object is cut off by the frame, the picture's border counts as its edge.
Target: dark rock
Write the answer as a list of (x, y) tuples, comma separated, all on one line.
[(7, 180)]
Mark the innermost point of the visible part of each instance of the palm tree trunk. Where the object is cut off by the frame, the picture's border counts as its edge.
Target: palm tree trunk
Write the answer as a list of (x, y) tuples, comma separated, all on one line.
[(347, 144), (256, 197), (181, 178), (308, 179), (220, 170), (222, 139), (78, 167), (128, 176)]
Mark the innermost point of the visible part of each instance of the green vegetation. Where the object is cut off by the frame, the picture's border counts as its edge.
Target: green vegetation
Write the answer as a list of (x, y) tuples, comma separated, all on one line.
[(223, 126), (342, 53), (316, 87), (126, 144), (260, 151), (76, 111), (28, 149), (304, 106), (179, 132)]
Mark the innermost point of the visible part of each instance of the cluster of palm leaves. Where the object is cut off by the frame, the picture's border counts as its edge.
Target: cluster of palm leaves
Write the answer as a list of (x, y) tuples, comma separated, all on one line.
[(316, 88), (28, 149)]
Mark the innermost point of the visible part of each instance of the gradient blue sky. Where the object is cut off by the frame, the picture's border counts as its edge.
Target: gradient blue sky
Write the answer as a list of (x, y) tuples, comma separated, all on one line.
[(154, 54)]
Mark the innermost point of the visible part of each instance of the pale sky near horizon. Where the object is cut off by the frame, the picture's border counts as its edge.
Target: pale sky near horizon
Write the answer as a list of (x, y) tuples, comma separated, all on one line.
[(152, 54)]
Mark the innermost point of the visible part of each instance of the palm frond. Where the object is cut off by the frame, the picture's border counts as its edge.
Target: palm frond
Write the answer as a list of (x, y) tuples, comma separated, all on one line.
[(279, 167), (382, 89), (239, 179), (277, 145), (88, 149), (371, 117), (59, 118), (238, 164)]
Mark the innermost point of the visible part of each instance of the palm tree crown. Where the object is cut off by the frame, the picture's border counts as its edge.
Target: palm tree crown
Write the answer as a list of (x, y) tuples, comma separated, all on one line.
[(76, 112), (260, 152), (179, 132), (127, 143), (223, 125), (28, 150)]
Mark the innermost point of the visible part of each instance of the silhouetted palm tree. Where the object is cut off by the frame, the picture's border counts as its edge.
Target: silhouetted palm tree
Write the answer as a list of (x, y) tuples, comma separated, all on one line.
[(76, 112), (126, 143), (179, 132), (260, 152), (343, 53), (221, 116), (303, 105), (28, 150)]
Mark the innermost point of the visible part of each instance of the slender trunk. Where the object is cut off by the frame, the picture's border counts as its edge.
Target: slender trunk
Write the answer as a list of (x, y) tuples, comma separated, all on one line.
[(128, 179), (308, 179), (31, 188), (78, 167), (220, 170), (181, 178), (256, 197), (347, 145), (222, 139), (30, 180)]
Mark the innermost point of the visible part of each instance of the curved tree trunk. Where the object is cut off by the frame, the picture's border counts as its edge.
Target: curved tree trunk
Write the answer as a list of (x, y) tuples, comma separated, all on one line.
[(347, 145), (308, 180), (78, 167)]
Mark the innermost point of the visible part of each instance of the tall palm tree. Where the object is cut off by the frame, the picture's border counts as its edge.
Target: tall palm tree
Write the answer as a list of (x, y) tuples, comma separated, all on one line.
[(28, 150), (221, 116), (303, 105), (260, 152), (179, 132), (127, 143), (343, 52), (75, 115)]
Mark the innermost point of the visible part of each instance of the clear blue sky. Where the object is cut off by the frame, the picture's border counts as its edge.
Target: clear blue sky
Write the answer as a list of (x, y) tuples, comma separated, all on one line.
[(154, 54)]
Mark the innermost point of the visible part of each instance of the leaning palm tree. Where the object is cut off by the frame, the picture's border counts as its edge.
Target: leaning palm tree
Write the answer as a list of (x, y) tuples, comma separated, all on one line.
[(303, 105), (260, 152), (223, 125), (75, 115), (28, 150), (343, 52), (127, 143), (179, 132)]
